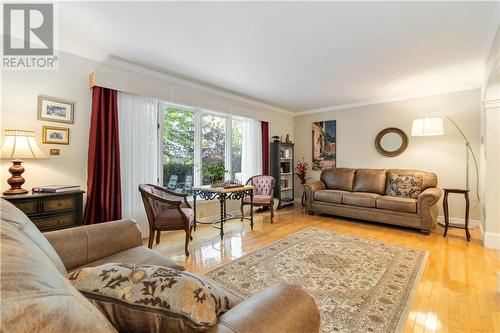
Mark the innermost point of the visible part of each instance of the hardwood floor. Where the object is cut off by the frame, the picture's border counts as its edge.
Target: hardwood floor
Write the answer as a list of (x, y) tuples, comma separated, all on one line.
[(458, 291)]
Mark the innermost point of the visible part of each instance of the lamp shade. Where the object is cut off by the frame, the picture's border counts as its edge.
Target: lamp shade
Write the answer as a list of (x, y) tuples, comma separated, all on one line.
[(19, 144), (427, 127)]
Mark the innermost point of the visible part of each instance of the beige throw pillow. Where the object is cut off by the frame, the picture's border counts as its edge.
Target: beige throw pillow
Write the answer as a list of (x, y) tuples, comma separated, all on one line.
[(405, 186), (146, 298)]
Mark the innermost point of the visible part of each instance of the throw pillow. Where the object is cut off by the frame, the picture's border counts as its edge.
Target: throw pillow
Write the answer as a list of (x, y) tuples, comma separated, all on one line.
[(405, 186), (146, 298)]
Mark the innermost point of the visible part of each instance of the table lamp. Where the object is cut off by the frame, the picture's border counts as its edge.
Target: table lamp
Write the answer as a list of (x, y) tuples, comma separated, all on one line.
[(18, 145)]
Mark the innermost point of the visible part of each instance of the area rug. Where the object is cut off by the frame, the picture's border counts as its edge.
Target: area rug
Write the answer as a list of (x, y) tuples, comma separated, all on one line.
[(359, 285)]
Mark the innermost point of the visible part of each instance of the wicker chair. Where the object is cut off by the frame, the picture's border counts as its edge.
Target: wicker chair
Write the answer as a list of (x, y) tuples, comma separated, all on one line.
[(166, 210), (263, 193)]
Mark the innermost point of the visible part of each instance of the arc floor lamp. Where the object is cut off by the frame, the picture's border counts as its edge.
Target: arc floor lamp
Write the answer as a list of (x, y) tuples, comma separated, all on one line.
[(433, 125)]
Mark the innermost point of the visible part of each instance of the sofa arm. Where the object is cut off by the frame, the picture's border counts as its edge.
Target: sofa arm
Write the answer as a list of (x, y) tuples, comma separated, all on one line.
[(280, 308), (427, 208), (310, 189), (81, 245)]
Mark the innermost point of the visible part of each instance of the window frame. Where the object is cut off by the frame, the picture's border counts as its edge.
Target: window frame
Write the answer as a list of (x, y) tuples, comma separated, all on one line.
[(198, 119)]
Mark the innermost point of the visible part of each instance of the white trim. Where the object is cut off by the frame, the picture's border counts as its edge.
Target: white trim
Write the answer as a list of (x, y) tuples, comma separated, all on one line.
[(492, 240), (491, 103), (385, 100), (190, 83), (473, 224)]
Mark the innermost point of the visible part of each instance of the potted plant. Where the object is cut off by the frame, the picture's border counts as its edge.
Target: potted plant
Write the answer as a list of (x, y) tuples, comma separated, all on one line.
[(215, 172), (301, 170)]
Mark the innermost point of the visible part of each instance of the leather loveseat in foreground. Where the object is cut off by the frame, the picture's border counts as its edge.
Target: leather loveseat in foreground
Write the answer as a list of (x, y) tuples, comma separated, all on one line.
[(37, 297), (363, 194)]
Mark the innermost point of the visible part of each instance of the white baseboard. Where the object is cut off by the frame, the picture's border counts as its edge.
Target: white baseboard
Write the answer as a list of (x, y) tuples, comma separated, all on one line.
[(473, 224), (492, 240)]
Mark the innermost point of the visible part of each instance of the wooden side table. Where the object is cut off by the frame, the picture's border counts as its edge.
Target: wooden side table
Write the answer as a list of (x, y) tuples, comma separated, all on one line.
[(51, 211), (446, 212)]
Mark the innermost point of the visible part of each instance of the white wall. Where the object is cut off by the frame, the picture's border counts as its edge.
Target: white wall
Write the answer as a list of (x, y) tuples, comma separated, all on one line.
[(490, 156), (444, 155), (20, 90)]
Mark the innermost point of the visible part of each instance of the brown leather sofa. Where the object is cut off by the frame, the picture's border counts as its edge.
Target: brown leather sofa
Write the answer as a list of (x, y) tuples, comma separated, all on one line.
[(362, 194), (36, 296)]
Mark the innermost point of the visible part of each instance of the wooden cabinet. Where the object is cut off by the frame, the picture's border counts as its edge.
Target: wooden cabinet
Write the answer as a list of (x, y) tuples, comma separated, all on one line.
[(51, 211), (282, 169)]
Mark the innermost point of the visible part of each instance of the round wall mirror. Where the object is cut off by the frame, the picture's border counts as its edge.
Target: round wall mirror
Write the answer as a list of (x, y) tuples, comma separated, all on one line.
[(391, 142)]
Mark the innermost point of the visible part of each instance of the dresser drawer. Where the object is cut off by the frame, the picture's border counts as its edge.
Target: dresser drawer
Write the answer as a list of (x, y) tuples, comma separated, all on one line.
[(56, 221), (51, 205), (27, 207)]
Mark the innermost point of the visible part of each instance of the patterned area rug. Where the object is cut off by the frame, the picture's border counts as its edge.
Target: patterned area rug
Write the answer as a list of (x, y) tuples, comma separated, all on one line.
[(359, 285)]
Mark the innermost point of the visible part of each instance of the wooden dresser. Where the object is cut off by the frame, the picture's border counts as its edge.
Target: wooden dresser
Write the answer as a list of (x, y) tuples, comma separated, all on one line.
[(51, 211)]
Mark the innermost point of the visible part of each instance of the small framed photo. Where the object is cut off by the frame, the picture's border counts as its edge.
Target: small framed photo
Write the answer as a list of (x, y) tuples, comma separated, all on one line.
[(55, 135), (55, 110)]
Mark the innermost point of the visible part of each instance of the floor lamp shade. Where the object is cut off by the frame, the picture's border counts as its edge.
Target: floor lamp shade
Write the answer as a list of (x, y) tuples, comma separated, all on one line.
[(16, 146), (427, 127)]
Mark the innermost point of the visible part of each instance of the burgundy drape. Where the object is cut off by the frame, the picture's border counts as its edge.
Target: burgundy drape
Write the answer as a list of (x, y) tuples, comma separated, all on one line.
[(103, 180), (265, 147)]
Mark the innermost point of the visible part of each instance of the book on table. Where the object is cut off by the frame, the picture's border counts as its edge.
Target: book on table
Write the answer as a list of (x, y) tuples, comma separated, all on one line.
[(55, 188)]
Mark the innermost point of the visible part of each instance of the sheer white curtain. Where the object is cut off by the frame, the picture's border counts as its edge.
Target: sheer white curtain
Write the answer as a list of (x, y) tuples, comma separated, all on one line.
[(251, 149), (138, 121)]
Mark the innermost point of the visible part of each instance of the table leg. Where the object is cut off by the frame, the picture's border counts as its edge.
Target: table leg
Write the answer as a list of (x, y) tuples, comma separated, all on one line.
[(222, 215), (467, 233), (194, 210), (251, 210), (445, 211)]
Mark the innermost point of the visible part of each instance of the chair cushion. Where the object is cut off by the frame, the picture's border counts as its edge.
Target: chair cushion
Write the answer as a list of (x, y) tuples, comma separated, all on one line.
[(36, 297), (331, 196), (338, 178), (370, 180), (405, 186), (15, 217), (398, 204), (263, 185), (259, 199), (361, 199), (146, 298), (139, 255), (173, 217)]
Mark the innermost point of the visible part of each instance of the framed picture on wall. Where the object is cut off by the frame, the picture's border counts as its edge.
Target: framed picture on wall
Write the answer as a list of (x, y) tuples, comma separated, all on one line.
[(55, 110), (324, 145), (55, 135)]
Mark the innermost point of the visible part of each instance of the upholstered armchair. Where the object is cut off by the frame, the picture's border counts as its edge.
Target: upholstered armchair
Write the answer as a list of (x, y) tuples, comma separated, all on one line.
[(263, 193), (166, 210)]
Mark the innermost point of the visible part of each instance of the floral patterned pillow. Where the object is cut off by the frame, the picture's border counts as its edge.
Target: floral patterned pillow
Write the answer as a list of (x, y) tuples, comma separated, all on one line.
[(146, 298), (406, 186)]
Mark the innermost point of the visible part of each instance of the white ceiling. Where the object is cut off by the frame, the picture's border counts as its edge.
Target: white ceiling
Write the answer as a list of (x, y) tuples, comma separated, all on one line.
[(297, 55)]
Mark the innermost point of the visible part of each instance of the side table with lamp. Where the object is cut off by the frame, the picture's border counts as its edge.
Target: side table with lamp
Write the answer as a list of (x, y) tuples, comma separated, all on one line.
[(433, 126), (48, 211)]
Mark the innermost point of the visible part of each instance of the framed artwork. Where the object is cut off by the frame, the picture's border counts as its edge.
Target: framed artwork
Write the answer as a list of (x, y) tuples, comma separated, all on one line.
[(55, 135), (55, 110), (324, 145)]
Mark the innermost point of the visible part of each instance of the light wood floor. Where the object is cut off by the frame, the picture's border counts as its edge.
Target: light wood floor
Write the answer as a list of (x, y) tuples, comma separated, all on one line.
[(457, 292)]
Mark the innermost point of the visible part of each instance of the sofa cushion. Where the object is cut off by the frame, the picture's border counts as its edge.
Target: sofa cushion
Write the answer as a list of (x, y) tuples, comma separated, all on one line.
[(429, 179), (331, 196), (362, 199), (338, 178), (407, 205), (137, 255), (405, 186), (370, 180), (36, 297), (146, 298), (15, 217)]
